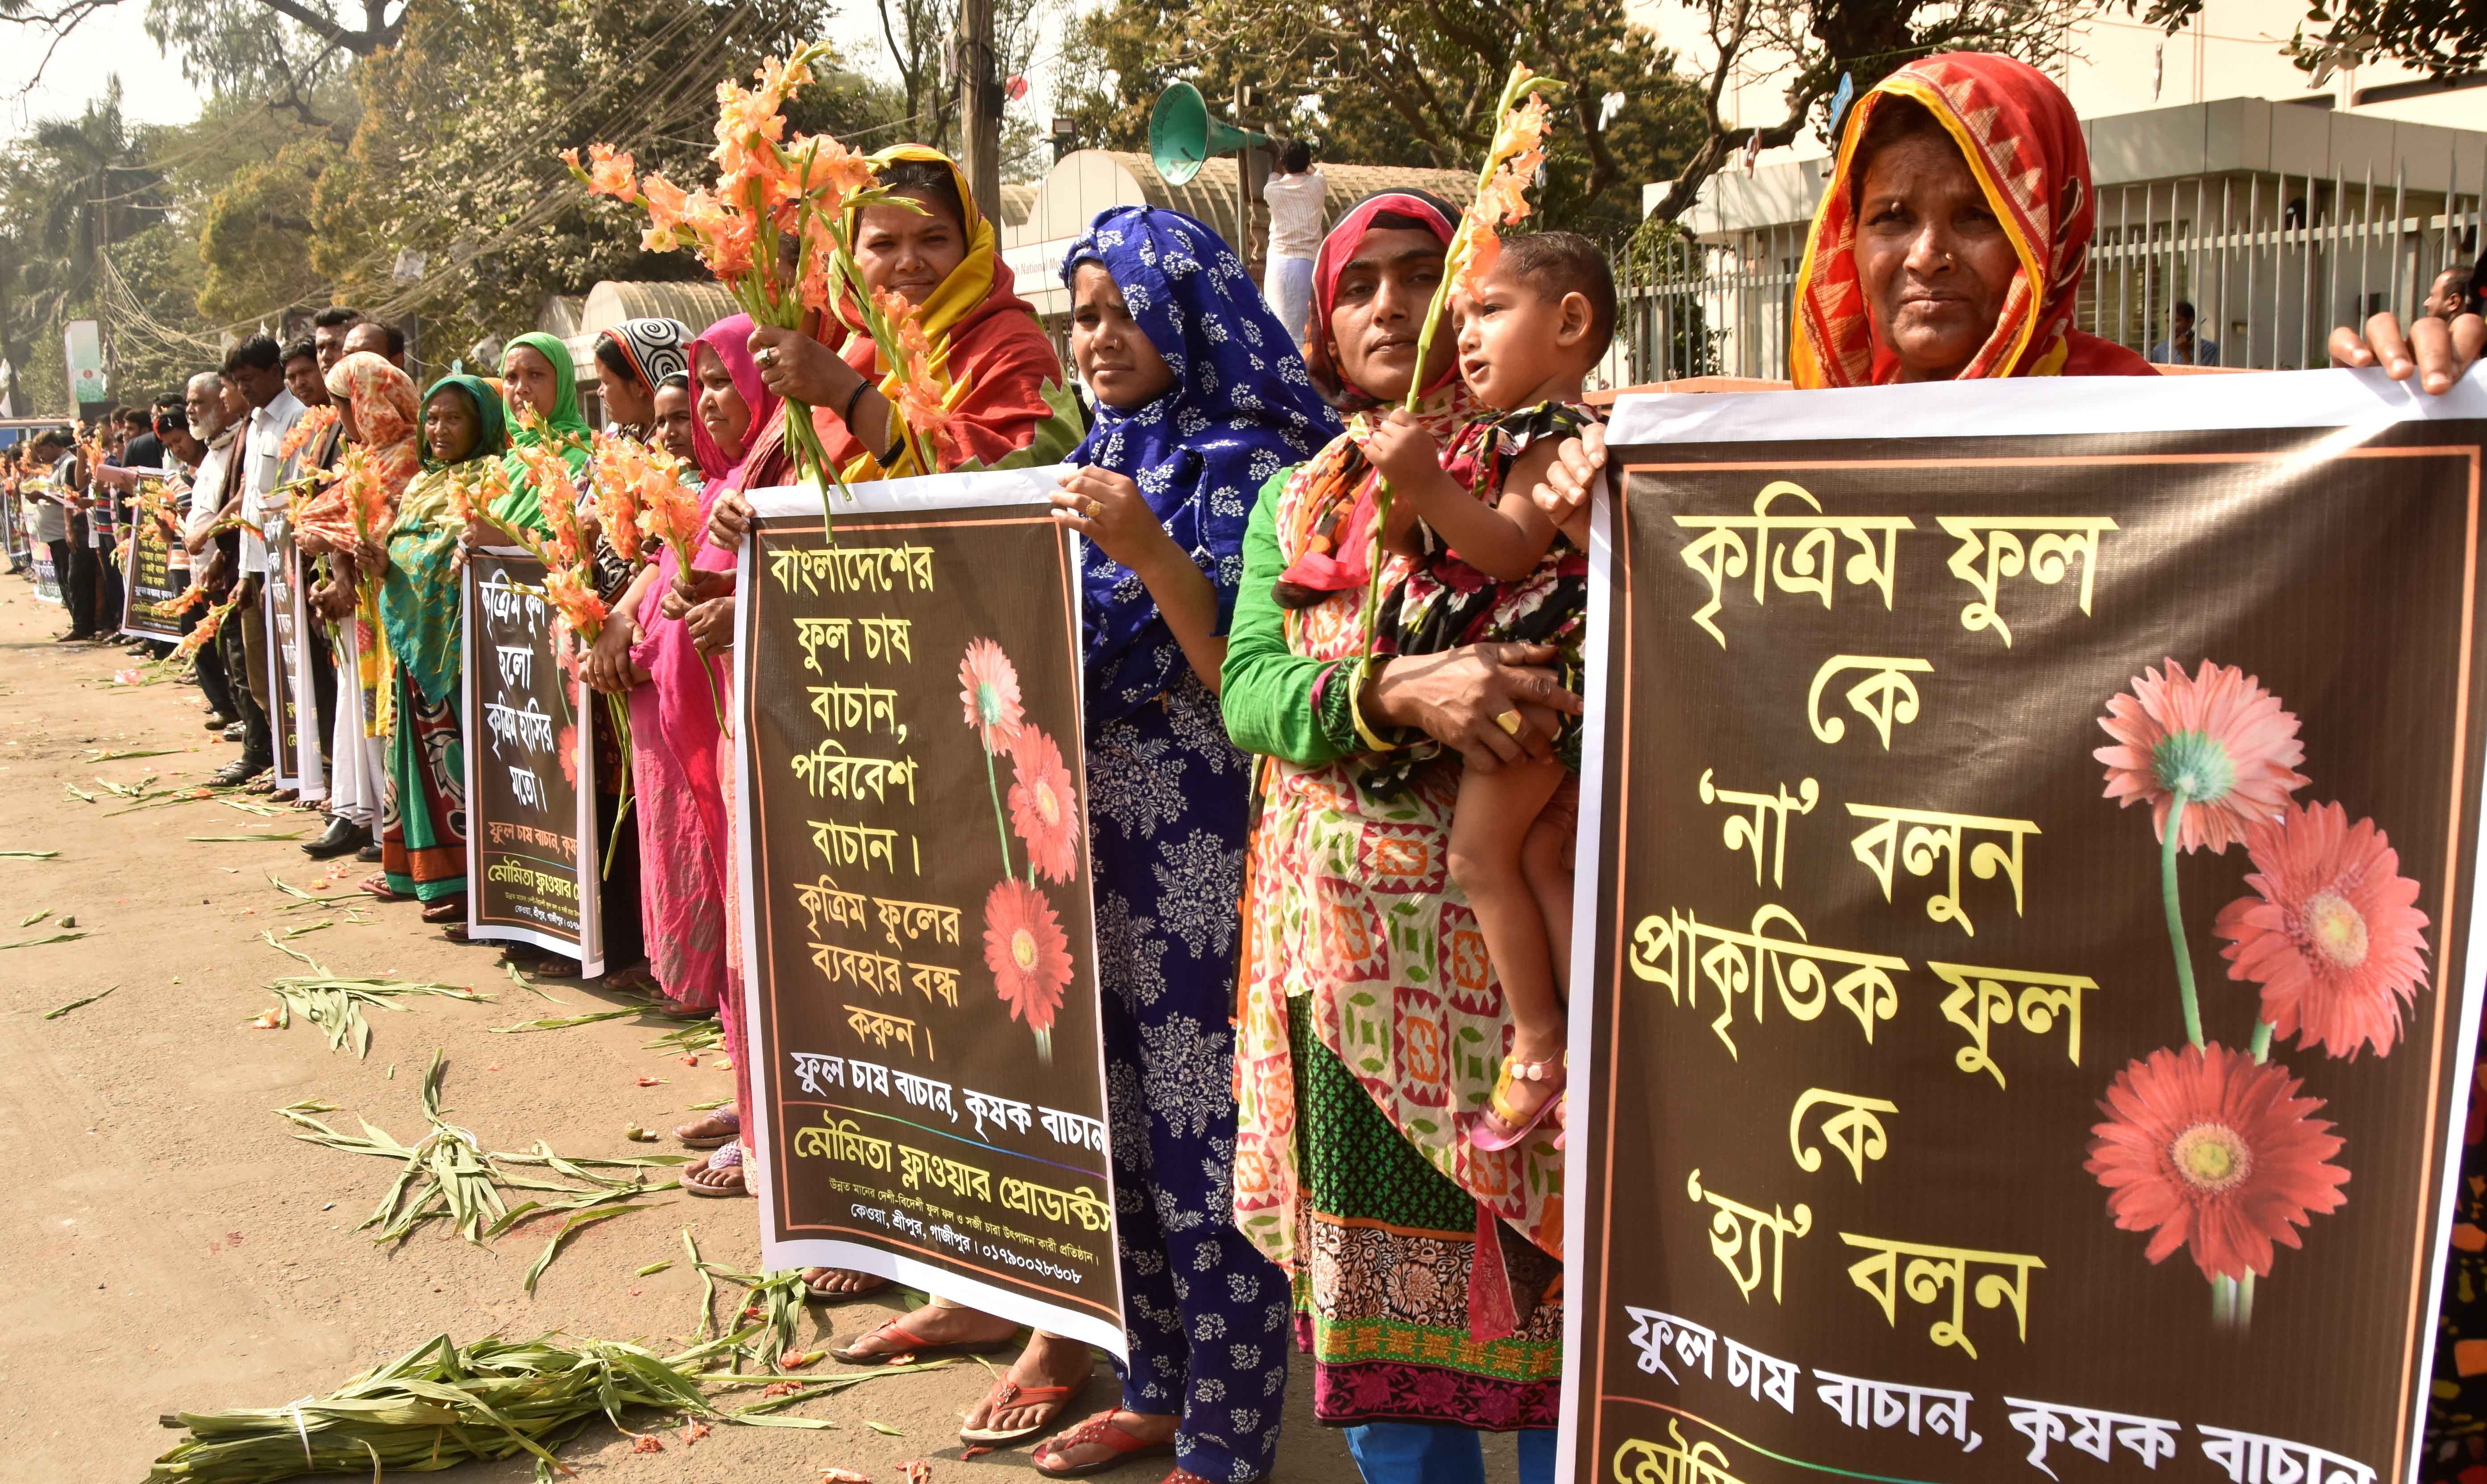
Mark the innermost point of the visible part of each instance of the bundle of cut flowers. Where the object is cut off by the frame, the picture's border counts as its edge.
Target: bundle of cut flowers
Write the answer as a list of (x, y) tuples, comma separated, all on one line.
[(770, 189)]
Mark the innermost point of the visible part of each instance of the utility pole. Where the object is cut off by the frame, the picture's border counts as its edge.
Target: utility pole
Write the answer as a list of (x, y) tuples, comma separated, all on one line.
[(983, 91)]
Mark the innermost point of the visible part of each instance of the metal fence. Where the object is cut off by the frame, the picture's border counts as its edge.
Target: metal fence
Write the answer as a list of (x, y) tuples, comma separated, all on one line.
[(2271, 263)]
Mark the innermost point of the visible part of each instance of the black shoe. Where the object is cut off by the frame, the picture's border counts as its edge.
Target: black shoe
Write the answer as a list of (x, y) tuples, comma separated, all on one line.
[(369, 854), (217, 721), (343, 835), (240, 769)]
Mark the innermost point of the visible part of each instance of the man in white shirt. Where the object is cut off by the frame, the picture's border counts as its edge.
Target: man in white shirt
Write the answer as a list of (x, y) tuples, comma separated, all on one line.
[(257, 369), (1297, 195), (206, 401)]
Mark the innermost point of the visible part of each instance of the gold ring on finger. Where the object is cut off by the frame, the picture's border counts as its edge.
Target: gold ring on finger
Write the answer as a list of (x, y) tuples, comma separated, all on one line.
[(1092, 508), (1509, 720)]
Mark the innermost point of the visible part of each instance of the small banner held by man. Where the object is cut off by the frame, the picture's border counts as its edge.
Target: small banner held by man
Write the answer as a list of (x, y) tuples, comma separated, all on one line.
[(921, 960), (531, 845), (1932, 1119), (149, 584), (287, 617)]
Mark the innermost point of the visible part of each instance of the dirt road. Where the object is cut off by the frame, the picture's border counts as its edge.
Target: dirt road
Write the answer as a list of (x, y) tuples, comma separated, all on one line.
[(171, 1246)]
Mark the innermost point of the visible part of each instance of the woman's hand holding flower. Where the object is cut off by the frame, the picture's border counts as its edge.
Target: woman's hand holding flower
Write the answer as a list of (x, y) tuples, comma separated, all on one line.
[(800, 369)]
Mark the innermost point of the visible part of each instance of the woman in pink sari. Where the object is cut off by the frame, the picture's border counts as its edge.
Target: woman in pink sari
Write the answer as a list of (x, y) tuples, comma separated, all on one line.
[(685, 823)]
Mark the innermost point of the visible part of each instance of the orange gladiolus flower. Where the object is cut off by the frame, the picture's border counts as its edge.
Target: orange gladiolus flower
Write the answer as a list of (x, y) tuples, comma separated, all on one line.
[(918, 394)]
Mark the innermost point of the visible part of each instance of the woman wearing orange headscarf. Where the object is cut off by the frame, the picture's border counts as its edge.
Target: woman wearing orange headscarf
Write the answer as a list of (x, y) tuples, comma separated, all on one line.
[(1950, 245)]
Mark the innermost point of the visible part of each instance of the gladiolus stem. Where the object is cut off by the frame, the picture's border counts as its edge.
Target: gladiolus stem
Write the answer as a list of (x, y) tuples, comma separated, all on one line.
[(1001, 825), (2261, 1043), (2176, 919)]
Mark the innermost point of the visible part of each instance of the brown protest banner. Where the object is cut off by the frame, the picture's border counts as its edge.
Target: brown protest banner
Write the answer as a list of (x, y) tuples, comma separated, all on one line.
[(150, 585), (920, 956), (531, 845), (1929, 1120)]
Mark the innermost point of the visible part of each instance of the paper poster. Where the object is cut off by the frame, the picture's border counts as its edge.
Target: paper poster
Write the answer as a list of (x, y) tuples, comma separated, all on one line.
[(1930, 1121), (532, 850), (920, 950), (282, 611), (150, 583)]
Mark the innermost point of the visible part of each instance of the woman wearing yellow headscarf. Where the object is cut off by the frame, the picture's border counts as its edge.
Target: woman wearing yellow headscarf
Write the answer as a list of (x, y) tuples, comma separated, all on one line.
[(1008, 399)]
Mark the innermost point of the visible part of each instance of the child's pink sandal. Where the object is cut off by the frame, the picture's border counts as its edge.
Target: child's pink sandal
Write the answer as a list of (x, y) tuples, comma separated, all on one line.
[(1498, 1128)]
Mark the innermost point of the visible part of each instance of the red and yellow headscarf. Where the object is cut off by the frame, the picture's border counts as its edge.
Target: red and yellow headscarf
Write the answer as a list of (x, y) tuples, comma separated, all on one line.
[(2024, 143)]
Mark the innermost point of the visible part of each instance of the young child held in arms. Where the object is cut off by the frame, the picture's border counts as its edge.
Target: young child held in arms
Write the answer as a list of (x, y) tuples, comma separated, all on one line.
[(1491, 567)]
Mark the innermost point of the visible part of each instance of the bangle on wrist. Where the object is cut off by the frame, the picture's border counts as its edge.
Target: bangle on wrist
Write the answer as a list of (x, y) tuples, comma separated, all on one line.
[(1360, 673), (863, 384)]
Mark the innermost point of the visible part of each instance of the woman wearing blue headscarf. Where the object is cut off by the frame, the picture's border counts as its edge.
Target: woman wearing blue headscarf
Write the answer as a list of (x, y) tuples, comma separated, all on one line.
[(1200, 398)]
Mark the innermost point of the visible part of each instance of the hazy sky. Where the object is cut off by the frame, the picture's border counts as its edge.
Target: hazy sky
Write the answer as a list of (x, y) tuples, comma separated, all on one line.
[(116, 41)]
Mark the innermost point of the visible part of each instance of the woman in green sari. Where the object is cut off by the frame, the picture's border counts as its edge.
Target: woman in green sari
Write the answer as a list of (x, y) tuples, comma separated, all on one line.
[(541, 381), (422, 829)]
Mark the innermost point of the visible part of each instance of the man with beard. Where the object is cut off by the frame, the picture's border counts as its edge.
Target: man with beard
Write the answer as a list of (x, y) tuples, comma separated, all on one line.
[(211, 427)]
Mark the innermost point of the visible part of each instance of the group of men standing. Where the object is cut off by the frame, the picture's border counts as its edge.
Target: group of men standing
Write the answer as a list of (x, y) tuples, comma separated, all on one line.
[(226, 448)]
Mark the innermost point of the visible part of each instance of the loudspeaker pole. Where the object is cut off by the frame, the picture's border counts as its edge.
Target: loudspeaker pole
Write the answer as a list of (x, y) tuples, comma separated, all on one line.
[(983, 123)]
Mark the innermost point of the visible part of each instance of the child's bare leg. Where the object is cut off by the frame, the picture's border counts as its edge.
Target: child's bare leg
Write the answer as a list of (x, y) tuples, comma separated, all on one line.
[(1489, 825), (1546, 862)]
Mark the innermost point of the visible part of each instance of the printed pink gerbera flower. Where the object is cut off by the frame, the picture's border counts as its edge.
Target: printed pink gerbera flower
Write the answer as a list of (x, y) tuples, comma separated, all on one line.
[(1027, 951), (2217, 735), (2333, 940), (567, 744), (1043, 807), (988, 689), (2206, 1149)]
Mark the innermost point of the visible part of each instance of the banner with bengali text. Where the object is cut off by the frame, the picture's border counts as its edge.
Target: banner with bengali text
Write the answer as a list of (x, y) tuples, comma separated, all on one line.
[(920, 951), (286, 616), (531, 850), (1931, 1121), (150, 583)]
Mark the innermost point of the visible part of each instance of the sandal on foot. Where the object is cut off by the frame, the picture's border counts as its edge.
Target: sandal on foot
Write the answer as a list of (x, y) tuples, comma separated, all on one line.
[(917, 1347), (820, 1295), (446, 909), (1501, 1127), (726, 1116), (719, 1176), (376, 884), (1008, 1395), (1100, 1430)]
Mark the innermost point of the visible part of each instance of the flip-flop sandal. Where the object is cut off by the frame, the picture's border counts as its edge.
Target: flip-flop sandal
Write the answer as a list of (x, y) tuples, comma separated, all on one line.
[(728, 1158), (376, 884), (724, 1115), (916, 1347), (1101, 1431), (819, 1294), (1008, 1395), (446, 909)]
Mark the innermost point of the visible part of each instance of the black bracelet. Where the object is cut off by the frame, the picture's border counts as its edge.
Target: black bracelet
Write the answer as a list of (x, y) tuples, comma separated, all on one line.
[(862, 385)]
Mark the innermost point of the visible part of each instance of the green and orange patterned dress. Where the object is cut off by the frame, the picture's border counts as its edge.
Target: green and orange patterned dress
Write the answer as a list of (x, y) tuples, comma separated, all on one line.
[(1424, 1269)]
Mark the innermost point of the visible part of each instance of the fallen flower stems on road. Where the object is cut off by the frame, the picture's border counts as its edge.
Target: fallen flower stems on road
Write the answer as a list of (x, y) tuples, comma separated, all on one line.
[(335, 1005), (564, 1022), (698, 1036), (304, 899), (116, 757), (54, 1015), (35, 918), (241, 839), (449, 1175), (774, 1300), (826, 1385), (37, 943), (30, 854), (441, 1404)]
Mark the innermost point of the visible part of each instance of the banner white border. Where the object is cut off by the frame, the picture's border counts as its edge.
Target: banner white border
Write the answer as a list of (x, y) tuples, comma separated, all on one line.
[(591, 899), (2357, 403), (925, 492)]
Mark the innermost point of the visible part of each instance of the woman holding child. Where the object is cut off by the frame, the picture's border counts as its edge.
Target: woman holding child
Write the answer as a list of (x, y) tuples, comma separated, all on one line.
[(1420, 1257)]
